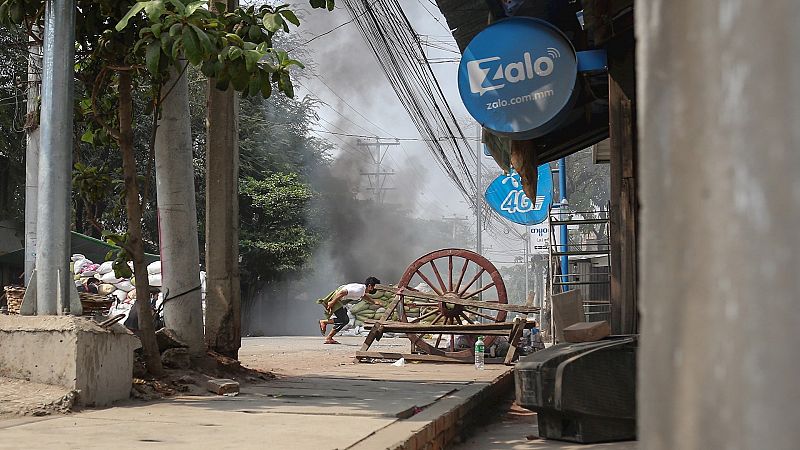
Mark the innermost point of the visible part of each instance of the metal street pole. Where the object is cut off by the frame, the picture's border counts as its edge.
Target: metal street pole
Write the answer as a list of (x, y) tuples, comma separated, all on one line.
[(478, 199), (527, 263), (55, 160), (564, 238)]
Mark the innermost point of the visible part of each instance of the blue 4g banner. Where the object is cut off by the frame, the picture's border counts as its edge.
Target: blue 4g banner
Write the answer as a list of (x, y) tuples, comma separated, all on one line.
[(505, 196)]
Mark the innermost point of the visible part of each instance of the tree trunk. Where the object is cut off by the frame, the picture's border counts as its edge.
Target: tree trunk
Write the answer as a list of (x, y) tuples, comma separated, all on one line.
[(223, 290), (177, 216), (147, 330)]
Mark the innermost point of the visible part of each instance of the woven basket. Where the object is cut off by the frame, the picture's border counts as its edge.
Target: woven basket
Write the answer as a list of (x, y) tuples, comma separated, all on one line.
[(14, 296), (95, 304)]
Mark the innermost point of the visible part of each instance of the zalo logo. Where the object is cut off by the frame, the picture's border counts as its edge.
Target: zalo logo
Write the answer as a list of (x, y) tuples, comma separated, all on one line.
[(517, 77), (479, 70)]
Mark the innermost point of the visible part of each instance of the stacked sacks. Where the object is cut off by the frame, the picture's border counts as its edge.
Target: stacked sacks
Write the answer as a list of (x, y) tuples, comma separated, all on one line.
[(362, 310)]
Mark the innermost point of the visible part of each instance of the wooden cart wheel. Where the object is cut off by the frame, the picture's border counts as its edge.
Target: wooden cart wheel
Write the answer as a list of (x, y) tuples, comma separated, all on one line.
[(452, 273)]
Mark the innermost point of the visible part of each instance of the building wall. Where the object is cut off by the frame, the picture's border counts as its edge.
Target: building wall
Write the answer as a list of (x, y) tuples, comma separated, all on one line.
[(719, 116)]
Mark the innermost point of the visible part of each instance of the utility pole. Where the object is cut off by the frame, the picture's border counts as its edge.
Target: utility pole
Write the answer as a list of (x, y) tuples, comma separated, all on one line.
[(378, 177), (454, 220), (32, 151), (55, 160), (478, 197), (564, 238), (527, 238)]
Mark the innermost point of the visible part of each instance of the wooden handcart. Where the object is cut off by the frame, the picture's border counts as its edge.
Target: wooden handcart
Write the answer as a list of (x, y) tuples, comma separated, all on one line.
[(457, 309)]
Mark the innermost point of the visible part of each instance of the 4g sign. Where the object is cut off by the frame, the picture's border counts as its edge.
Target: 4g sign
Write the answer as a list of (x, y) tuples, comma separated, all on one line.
[(505, 195)]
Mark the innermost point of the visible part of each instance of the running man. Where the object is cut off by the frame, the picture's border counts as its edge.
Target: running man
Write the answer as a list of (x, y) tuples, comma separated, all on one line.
[(335, 301)]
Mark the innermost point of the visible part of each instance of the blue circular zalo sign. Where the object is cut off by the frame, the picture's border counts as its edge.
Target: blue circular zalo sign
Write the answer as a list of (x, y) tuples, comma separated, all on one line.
[(517, 77)]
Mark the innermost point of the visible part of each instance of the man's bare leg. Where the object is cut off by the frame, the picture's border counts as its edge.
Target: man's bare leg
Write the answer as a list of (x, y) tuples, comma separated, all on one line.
[(323, 325), (329, 338)]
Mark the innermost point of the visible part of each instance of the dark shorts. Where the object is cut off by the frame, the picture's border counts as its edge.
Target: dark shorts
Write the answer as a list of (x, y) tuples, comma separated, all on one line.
[(340, 319)]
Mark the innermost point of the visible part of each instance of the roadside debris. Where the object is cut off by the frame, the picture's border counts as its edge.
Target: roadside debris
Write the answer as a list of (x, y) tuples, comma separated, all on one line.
[(222, 386)]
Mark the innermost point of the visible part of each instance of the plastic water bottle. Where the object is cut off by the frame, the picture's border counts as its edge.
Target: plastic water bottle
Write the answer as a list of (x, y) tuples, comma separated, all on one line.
[(479, 349)]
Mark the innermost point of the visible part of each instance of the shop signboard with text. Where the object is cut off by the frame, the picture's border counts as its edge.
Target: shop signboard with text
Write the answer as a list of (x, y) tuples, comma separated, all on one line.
[(506, 197), (518, 76)]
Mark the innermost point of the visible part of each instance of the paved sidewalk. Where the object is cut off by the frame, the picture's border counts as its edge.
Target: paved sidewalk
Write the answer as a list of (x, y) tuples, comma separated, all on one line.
[(324, 401)]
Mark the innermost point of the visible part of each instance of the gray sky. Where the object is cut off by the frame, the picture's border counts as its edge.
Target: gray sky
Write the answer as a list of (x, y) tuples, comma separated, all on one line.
[(361, 101)]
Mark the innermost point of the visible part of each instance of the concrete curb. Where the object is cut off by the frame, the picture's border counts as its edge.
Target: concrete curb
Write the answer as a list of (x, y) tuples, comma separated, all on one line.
[(438, 425)]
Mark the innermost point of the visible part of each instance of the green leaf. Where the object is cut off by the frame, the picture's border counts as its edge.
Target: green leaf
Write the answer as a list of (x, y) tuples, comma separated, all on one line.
[(175, 29), (290, 16), (205, 42), (194, 6), (221, 7), (234, 53), (87, 137), (285, 84), (154, 9), (266, 87), (235, 39), (254, 33), (132, 12), (239, 77), (156, 28), (272, 22), (166, 43), (331, 4), (191, 46), (180, 8), (153, 56), (293, 62), (255, 86), (251, 58), (176, 48)]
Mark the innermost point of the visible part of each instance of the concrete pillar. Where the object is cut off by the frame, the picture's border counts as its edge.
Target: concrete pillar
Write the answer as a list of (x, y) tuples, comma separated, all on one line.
[(32, 152), (719, 116), (177, 216)]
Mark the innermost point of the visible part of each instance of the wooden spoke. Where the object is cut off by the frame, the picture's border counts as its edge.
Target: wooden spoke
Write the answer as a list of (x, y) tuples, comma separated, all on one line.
[(480, 314), (463, 272), (452, 342), (436, 319), (450, 271), (479, 291), (428, 282), (474, 279), (465, 317), (424, 316), (438, 276), (438, 341)]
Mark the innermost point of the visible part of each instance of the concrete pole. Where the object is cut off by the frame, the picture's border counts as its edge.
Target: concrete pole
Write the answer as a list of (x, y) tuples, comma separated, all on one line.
[(55, 159), (32, 152), (223, 290), (719, 128), (177, 216)]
